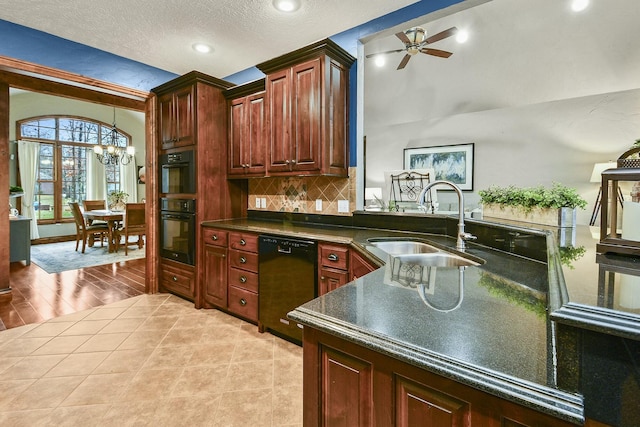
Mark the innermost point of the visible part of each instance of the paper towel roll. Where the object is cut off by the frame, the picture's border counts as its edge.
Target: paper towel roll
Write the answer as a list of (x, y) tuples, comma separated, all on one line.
[(631, 221)]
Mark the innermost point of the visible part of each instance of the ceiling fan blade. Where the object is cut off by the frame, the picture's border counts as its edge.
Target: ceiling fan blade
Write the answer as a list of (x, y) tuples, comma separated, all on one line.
[(441, 35), (403, 37), (404, 61), (436, 52), (384, 53)]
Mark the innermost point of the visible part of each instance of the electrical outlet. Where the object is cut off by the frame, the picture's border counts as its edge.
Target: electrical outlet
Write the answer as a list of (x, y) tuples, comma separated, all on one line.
[(264, 203), (258, 204), (343, 206), (319, 204)]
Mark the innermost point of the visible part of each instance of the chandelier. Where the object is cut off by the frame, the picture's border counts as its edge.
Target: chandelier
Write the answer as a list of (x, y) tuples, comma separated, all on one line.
[(113, 153)]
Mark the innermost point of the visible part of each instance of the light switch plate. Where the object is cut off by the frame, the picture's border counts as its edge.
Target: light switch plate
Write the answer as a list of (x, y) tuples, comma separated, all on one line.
[(258, 204), (264, 203), (319, 204), (343, 206)]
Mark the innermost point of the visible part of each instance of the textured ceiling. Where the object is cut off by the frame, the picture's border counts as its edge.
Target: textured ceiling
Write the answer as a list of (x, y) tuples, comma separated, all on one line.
[(160, 33)]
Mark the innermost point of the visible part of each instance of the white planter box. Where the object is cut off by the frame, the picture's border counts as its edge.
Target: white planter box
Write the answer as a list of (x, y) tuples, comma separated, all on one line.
[(564, 217)]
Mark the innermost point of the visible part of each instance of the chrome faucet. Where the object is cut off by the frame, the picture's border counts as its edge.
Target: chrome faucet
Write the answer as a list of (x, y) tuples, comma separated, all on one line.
[(462, 236)]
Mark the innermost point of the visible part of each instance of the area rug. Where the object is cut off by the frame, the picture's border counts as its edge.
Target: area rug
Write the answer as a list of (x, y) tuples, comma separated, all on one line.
[(58, 257)]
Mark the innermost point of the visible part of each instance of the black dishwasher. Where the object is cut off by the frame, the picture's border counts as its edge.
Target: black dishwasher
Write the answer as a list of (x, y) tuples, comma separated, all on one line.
[(287, 270)]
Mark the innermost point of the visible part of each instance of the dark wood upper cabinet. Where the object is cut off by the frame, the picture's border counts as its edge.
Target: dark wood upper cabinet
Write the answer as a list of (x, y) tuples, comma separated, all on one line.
[(176, 118), (247, 131), (307, 111)]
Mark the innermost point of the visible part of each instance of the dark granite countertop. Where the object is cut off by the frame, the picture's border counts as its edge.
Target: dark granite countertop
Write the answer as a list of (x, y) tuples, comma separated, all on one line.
[(485, 326)]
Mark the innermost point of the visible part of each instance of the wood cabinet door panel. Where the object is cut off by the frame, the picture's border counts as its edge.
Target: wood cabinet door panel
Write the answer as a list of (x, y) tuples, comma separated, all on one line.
[(166, 122), (236, 137), (330, 279), (306, 115), (347, 386), (359, 266), (336, 139), (256, 141), (184, 117), (279, 93), (214, 290), (418, 405)]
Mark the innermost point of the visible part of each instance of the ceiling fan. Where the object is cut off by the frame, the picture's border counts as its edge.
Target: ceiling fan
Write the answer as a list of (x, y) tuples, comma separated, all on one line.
[(415, 40)]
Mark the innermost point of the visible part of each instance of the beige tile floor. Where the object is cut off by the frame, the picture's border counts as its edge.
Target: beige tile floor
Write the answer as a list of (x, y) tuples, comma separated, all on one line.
[(149, 360)]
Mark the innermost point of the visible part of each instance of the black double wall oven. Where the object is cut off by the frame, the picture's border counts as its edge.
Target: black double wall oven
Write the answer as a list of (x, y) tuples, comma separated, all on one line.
[(178, 173), (178, 229)]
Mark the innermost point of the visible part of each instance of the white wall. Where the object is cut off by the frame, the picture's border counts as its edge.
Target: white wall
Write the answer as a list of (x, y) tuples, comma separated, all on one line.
[(25, 104), (542, 92)]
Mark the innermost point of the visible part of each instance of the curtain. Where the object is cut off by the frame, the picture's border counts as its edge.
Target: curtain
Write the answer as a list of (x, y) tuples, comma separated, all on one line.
[(28, 156), (129, 180), (96, 178)]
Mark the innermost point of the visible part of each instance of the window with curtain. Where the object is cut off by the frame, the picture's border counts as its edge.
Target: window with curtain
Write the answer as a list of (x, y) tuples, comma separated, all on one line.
[(66, 147)]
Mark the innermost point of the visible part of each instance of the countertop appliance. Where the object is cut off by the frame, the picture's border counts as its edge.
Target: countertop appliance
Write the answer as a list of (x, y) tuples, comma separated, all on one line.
[(288, 278)]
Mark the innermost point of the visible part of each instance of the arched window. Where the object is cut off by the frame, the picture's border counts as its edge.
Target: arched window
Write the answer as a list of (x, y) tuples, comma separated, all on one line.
[(66, 158)]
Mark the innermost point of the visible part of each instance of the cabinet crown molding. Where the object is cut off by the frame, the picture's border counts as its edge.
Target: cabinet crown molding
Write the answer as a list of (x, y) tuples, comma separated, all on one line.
[(191, 78), (323, 47)]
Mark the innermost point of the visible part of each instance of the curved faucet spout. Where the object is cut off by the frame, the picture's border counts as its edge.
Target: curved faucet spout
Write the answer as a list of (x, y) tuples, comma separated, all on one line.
[(462, 236)]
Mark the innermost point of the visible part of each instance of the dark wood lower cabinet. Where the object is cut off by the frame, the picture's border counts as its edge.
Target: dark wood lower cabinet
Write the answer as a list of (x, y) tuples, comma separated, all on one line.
[(348, 385)]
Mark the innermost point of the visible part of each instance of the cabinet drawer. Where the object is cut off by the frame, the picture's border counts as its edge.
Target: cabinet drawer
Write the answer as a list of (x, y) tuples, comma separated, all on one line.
[(243, 241), (334, 256), (243, 260), (243, 279), (178, 281), (215, 237), (243, 303)]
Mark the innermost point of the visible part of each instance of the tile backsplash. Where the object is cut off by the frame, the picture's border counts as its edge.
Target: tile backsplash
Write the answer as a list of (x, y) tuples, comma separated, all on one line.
[(299, 193)]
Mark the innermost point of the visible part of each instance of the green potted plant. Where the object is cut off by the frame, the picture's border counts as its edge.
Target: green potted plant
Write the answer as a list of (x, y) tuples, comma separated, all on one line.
[(549, 206), (117, 200)]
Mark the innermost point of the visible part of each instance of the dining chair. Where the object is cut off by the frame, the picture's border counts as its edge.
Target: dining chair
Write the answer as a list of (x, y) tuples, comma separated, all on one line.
[(134, 225), (93, 205), (84, 230)]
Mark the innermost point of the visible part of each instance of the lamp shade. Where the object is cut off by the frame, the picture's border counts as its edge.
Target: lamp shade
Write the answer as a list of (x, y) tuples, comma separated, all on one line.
[(598, 168)]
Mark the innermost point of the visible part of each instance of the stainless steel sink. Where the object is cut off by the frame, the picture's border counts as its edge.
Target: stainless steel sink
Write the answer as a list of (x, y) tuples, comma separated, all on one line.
[(438, 259), (401, 247)]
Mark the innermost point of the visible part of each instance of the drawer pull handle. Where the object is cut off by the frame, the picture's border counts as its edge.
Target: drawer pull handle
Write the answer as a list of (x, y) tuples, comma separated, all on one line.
[(243, 279), (214, 237), (332, 257), (243, 302), (243, 260), (174, 278), (242, 242)]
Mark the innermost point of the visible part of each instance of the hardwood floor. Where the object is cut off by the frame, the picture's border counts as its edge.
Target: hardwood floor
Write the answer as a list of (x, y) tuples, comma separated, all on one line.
[(38, 295)]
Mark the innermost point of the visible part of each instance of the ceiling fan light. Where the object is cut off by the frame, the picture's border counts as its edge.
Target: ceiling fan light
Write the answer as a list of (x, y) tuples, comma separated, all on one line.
[(462, 36), (286, 5), (416, 35)]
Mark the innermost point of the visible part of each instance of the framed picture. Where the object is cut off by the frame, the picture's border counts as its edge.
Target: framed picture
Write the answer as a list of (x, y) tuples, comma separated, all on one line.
[(451, 162)]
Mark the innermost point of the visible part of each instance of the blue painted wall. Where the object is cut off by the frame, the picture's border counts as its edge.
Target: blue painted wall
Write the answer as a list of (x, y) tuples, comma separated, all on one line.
[(35, 46)]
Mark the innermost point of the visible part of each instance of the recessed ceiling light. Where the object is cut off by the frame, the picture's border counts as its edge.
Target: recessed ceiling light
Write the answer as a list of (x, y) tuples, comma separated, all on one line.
[(579, 5), (462, 36), (202, 48), (286, 5)]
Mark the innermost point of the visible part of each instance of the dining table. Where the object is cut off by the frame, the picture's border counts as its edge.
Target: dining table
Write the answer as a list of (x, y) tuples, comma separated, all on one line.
[(113, 220)]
